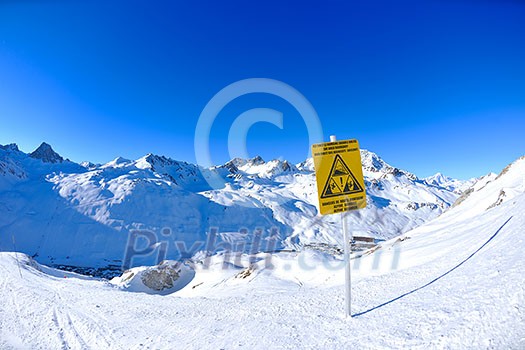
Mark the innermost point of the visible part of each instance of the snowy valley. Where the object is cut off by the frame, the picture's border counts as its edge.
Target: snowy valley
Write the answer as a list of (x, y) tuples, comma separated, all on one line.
[(47, 202), (447, 272)]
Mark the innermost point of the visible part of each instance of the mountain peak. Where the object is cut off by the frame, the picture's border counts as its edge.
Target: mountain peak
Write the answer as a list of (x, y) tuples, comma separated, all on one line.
[(118, 162), (239, 162), (372, 163), (437, 179), (257, 160), (88, 165), (10, 147), (46, 153), (154, 161)]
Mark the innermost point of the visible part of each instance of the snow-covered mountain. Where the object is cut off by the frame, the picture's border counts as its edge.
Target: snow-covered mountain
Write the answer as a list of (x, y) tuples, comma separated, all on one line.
[(455, 185), (454, 282), (61, 212), (447, 182)]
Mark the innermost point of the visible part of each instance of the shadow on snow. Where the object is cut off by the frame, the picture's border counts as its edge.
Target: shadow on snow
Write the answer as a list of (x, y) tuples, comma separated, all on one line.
[(435, 279)]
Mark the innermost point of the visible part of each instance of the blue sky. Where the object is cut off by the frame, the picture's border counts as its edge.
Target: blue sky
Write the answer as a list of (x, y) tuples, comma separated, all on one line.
[(428, 85)]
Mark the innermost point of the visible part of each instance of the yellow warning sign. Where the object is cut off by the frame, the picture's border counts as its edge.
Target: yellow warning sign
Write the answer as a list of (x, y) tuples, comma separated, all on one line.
[(341, 180), (339, 176)]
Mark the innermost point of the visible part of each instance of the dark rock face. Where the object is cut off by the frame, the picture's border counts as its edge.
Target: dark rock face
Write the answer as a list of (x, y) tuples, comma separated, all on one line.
[(9, 167), (11, 147), (45, 153), (232, 168), (161, 277), (257, 160)]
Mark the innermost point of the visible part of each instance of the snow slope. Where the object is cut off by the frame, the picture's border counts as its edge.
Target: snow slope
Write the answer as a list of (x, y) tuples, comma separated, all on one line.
[(47, 203), (455, 282)]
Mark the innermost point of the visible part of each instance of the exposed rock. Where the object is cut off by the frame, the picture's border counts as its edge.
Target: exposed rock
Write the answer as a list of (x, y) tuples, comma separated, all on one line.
[(46, 153), (231, 166), (501, 198), (416, 206), (10, 147), (8, 167), (257, 160), (507, 168), (462, 198), (246, 272), (161, 277)]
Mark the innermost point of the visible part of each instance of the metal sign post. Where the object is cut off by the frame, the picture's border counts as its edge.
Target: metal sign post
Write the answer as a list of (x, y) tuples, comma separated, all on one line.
[(341, 188), (348, 270)]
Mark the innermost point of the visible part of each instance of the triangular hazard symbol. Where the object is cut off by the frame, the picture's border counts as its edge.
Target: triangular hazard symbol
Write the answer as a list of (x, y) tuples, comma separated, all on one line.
[(341, 181)]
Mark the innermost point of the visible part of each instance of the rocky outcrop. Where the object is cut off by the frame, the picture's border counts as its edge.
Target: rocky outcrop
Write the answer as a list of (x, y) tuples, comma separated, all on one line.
[(45, 153), (161, 277)]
